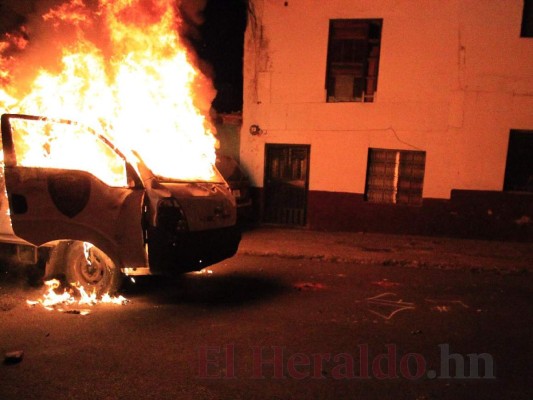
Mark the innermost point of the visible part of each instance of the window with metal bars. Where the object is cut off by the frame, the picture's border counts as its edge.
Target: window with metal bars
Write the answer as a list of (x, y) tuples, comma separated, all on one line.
[(353, 59), (395, 176)]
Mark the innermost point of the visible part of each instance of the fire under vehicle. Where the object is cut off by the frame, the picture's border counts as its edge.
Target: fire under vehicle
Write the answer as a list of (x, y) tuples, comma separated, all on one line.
[(95, 227)]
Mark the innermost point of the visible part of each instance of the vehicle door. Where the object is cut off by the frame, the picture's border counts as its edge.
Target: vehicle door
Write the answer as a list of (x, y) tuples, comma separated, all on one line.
[(64, 181)]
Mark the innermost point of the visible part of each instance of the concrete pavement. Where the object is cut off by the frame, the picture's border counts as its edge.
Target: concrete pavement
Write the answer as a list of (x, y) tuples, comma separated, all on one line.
[(386, 249)]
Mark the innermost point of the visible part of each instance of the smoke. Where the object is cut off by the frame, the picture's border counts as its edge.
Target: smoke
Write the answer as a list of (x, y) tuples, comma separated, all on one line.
[(28, 18), (192, 18), (35, 34), (192, 11), (192, 15)]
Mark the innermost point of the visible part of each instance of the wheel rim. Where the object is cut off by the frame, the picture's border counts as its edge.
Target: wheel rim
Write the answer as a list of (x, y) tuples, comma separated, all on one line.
[(92, 267), (88, 266)]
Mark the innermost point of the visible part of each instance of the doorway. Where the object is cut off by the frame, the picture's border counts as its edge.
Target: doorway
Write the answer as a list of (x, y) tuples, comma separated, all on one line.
[(286, 184), (519, 167)]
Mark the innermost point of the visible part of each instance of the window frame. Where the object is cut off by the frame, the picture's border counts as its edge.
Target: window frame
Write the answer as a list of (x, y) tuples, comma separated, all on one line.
[(354, 47), (401, 182), (33, 132)]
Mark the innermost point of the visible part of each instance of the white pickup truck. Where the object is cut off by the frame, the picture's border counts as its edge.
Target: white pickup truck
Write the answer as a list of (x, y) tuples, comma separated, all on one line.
[(94, 230)]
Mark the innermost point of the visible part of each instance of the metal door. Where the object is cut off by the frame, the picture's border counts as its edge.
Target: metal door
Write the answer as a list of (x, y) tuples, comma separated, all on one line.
[(286, 183)]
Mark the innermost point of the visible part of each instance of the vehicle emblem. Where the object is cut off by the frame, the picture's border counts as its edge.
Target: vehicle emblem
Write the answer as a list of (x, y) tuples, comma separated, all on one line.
[(69, 192)]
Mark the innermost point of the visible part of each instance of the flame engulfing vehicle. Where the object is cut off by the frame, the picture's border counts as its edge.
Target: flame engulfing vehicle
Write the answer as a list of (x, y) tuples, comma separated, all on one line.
[(97, 213)]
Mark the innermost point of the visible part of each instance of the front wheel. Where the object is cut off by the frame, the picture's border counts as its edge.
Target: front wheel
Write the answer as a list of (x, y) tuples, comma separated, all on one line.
[(91, 268)]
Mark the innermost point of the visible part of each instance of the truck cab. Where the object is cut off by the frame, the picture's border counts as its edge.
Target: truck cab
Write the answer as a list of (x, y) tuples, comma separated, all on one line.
[(101, 213)]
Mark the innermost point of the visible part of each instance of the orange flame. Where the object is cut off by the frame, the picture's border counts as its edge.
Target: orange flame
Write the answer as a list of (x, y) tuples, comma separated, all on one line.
[(55, 301), (121, 68)]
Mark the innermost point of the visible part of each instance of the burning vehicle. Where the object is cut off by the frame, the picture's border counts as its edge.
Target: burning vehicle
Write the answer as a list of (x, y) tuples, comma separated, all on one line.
[(118, 219), (108, 150)]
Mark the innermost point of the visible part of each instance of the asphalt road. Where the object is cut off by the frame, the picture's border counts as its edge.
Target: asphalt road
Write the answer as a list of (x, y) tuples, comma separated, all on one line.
[(280, 328)]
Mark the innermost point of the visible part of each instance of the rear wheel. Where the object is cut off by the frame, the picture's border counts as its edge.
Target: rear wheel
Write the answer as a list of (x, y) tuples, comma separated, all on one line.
[(91, 268)]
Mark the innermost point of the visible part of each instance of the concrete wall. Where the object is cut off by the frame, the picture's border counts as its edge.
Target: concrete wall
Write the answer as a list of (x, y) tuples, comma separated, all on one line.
[(454, 78)]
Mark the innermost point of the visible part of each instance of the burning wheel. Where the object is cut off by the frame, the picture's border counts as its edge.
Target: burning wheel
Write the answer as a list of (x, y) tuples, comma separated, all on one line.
[(91, 268)]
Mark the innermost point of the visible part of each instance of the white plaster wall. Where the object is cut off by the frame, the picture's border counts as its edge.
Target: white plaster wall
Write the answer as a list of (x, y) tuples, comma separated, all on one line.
[(454, 78)]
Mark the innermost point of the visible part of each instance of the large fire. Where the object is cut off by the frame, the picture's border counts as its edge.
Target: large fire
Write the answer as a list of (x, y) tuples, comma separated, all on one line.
[(75, 296), (120, 67)]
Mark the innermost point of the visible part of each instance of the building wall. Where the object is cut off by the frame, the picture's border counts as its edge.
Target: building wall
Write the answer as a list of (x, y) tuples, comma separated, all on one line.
[(454, 78)]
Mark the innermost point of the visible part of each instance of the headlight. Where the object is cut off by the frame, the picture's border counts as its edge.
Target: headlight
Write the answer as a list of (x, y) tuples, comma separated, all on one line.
[(170, 216)]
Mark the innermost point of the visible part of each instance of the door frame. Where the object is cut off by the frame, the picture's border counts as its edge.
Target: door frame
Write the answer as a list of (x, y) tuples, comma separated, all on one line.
[(266, 176)]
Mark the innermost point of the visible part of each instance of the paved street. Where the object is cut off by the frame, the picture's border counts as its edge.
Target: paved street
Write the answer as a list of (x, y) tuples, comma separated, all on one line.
[(282, 327)]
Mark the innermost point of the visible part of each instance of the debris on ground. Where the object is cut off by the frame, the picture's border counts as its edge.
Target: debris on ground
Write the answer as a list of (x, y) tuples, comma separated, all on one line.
[(385, 283), (13, 357), (309, 286), (77, 312)]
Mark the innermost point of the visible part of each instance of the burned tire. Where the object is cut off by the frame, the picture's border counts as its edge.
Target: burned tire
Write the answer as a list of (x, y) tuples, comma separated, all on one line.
[(91, 268)]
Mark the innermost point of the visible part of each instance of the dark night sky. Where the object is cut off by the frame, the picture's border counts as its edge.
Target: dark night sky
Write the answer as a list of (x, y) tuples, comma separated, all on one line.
[(221, 45)]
